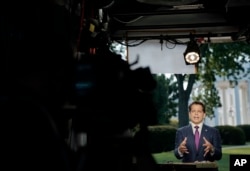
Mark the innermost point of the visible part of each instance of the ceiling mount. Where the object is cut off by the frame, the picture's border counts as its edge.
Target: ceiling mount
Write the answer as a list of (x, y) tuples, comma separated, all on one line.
[(168, 3)]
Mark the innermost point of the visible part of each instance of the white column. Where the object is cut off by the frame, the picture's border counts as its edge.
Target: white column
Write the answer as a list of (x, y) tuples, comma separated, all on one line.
[(244, 103), (222, 86)]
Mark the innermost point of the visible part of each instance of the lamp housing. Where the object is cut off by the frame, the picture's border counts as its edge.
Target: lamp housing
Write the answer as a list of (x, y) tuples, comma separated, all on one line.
[(192, 53)]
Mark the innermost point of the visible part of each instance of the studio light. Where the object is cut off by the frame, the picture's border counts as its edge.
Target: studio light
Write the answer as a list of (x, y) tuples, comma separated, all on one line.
[(192, 53)]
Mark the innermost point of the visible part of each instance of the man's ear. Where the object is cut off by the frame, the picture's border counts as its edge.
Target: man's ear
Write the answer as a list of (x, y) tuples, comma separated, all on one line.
[(204, 116)]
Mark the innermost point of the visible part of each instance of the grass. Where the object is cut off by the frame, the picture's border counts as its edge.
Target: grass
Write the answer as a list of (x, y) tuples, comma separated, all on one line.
[(223, 164)]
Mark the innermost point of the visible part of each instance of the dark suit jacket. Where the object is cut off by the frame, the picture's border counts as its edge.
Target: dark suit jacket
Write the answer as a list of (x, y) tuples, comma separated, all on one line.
[(210, 133)]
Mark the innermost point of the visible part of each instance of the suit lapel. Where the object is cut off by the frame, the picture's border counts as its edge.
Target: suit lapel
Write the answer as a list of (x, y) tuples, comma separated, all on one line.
[(191, 138), (204, 133)]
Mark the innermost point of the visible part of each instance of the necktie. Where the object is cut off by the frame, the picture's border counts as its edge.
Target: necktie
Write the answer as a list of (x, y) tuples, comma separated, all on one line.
[(196, 137)]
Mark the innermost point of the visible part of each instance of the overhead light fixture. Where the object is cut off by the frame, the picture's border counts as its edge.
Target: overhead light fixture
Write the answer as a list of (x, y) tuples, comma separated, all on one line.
[(192, 53)]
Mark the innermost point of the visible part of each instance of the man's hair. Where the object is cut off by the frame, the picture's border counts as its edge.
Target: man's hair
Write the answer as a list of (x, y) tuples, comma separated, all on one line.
[(197, 103)]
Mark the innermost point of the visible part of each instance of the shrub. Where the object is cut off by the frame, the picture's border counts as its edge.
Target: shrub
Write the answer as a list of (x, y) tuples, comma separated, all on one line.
[(161, 138), (246, 130), (232, 135)]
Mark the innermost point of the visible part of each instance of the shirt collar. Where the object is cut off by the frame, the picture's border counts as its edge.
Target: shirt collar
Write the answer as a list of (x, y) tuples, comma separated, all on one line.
[(200, 126)]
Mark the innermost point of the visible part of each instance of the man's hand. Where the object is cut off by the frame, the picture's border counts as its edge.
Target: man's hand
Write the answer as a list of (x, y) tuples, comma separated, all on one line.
[(208, 147), (182, 147)]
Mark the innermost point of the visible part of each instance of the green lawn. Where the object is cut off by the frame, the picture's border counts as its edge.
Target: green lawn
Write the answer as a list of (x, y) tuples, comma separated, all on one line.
[(223, 164)]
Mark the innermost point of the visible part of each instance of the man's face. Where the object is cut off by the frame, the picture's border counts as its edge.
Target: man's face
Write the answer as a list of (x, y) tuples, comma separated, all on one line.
[(196, 114)]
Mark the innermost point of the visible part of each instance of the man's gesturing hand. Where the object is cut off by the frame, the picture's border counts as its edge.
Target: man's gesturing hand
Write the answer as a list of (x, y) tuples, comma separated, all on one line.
[(208, 146), (182, 147)]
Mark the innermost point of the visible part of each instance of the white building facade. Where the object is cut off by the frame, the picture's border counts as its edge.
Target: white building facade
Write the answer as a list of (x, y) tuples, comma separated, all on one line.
[(235, 102)]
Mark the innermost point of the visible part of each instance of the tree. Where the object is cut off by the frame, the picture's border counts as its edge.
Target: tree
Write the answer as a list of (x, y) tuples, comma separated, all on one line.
[(165, 98), (184, 95), (223, 60)]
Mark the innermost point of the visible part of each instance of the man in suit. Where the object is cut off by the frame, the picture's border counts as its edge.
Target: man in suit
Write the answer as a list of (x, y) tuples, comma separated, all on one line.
[(209, 142)]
